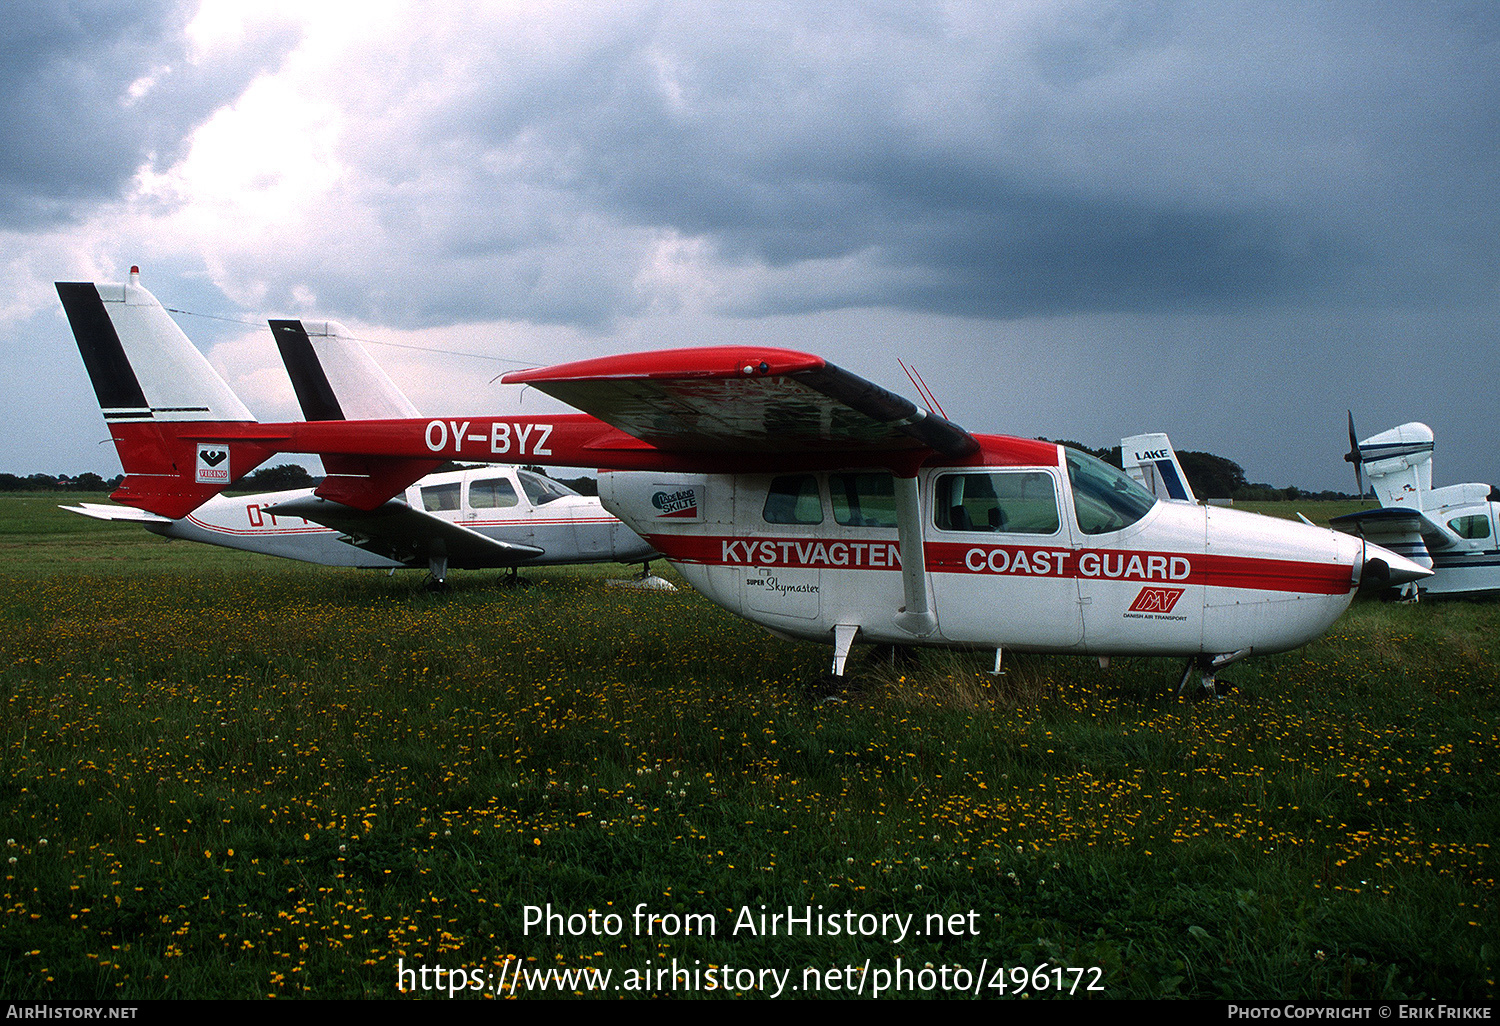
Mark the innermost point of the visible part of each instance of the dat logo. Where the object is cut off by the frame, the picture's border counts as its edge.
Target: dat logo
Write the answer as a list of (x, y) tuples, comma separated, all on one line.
[(1156, 600)]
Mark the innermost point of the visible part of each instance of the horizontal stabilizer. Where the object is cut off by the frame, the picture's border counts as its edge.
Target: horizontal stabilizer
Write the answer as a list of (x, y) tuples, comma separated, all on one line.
[(366, 482), (411, 536), (127, 514)]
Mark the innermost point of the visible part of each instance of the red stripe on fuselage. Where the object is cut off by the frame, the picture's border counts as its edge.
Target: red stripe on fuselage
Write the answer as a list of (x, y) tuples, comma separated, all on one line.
[(1013, 561)]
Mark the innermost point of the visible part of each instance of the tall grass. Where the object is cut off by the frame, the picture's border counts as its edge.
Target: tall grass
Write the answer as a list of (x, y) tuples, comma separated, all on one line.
[(233, 777)]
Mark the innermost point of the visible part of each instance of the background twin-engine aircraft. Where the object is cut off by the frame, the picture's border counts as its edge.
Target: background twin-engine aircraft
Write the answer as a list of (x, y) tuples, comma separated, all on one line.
[(789, 491), (1454, 530), (485, 518)]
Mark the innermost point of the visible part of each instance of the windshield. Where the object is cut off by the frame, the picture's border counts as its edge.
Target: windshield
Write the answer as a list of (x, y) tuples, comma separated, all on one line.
[(1104, 499), (542, 490)]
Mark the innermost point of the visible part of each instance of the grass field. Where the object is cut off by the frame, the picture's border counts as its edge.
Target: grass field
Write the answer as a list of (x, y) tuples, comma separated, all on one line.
[(231, 776)]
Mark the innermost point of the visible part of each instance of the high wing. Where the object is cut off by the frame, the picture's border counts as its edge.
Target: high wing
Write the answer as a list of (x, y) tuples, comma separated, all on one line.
[(412, 536), (751, 401), (1407, 532), (746, 408)]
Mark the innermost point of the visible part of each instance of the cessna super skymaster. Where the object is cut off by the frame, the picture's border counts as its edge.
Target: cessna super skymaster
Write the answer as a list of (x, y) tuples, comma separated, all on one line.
[(797, 495)]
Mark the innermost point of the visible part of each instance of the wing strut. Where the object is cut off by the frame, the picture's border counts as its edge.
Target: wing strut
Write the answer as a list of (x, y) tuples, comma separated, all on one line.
[(916, 616)]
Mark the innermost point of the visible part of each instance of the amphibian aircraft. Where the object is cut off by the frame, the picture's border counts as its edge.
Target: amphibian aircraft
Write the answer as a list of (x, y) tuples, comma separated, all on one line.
[(800, 496), (484, 518), (1454, 529)]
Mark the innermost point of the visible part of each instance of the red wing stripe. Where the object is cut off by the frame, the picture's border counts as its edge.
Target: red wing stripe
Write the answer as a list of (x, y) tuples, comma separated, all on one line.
[(1166, 568)]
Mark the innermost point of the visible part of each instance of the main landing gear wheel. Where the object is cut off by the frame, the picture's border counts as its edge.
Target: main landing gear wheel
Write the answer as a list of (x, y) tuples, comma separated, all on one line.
[(1208, 667), (830, 688), (437, 573), (834, 685), (514, 580)]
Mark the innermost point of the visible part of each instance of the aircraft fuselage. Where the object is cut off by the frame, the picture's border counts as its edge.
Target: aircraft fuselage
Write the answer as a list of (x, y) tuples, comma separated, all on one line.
[(500, 502), (1013, 559)]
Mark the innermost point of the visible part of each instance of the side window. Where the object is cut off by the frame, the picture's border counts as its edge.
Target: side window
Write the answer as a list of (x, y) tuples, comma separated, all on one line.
[(863, 500), (1013, 502), (794, 499), (440, 498), (492, 493), (1473, 527)]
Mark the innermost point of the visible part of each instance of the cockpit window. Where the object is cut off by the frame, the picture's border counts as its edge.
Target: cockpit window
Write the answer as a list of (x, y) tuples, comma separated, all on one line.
[(1104, 499), (492, 493), (794, 499), (863, 500), (1009, 502), (542, 490), (440, 498)]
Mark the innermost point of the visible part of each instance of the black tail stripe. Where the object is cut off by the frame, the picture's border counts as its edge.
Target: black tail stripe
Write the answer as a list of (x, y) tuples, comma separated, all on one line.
[(109, 369), (314, 393)]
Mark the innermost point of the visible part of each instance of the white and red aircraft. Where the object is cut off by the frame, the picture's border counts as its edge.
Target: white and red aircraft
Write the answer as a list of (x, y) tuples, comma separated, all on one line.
[(479, 518), (815, 503), (1455, 529)]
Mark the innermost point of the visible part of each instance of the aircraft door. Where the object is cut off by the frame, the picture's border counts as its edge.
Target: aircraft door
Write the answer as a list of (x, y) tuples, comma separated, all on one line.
[(552, 520), (1132, 559), (1001, 560), (782, 579)]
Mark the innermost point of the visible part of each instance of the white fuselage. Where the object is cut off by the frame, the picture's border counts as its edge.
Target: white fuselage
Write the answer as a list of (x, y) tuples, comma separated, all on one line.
[(500, 502), (1181, 579), (1471, 565)]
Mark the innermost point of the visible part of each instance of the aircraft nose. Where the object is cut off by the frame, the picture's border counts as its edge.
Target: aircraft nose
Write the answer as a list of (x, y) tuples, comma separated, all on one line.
[(1383, 568)]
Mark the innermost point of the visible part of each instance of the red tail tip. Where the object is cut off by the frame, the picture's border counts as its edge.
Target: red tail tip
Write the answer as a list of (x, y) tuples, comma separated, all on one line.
[(134, 269)]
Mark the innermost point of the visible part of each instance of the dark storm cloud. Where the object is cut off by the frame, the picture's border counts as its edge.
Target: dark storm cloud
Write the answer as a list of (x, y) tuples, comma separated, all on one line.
[(70, 132), (989, 162)]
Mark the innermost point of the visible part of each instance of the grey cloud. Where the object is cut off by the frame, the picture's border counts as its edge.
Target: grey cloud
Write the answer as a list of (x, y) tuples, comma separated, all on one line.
[(1108, 161), (69, 134), (988, 160)]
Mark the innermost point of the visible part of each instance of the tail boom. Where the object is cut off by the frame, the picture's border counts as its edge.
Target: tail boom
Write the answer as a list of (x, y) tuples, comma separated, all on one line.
[(172, 468)]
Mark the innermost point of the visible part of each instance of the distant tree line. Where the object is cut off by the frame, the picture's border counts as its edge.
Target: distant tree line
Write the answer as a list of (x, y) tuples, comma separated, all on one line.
[(1214, 477), (275, 479), (88, 482)]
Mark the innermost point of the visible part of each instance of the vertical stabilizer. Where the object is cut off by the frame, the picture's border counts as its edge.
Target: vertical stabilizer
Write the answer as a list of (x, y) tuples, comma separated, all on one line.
[(1399, 465), (173, 420), (333, 375), (1151, 460), (335, 379)]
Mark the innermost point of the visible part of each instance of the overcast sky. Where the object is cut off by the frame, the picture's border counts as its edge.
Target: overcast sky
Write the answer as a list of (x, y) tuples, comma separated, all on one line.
[(1227, 221)]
